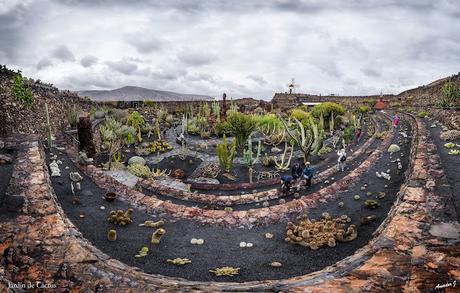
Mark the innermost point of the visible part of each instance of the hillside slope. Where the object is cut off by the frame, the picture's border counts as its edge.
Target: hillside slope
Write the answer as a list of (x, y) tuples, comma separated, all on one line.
[(133, 93)]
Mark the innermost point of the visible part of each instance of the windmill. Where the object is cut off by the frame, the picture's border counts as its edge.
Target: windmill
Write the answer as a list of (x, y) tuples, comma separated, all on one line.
[(292, 86)]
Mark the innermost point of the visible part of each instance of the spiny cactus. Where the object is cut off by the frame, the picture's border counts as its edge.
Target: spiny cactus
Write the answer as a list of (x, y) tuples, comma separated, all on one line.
[(152, 224), (225, 155), (112, 235), (225, 271), (179, 261), (248, 158), (48, 127), (326, 231), (273, 135), (283, 164), (156, 236), (304, 138), (121, 218)]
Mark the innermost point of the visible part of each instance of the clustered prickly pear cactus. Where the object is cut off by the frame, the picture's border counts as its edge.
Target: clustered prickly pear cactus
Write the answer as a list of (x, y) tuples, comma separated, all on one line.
[(121, 218), (318, 233)]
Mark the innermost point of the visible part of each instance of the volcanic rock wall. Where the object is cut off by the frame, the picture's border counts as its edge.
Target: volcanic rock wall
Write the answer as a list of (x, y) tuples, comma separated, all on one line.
[(16, 117), (422, 96)]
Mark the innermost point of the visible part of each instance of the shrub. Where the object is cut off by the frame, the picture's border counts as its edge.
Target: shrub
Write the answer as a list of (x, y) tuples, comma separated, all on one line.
[(451, 93), (119, 115), (422, 114), (268, 120), (139, 170), (324, 150), (241, 125), (300, 114), (21, 93), (349, 134), (327, 109), (222, 128), (364, 109), (72, 118)]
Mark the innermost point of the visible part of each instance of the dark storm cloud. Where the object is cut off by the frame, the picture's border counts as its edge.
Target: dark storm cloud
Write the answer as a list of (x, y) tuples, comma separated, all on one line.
[(88, 61), (63, 54), (123, 66), (14, 22)]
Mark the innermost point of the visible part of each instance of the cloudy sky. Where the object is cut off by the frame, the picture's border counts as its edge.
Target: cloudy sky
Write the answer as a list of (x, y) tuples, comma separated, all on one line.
[(244, 48)]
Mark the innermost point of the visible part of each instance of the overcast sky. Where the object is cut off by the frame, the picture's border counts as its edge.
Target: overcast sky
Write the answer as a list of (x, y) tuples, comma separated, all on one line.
[(245, 48)]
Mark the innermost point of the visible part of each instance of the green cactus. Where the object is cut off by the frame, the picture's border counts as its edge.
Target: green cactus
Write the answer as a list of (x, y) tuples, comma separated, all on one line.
[(225, 155), (304, 138), (283, 164), (248, 158)]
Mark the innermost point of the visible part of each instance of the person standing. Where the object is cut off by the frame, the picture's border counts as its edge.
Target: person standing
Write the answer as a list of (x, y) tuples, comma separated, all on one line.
[(308, 173), (341, 160), (358, 134), (296, 171), (396, 120)]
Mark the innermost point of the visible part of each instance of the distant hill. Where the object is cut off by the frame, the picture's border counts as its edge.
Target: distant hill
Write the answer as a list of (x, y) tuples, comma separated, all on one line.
[(134, 93)]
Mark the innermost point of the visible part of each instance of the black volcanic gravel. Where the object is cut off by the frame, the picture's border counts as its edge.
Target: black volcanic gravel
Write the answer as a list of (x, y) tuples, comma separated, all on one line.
[(221, 247)]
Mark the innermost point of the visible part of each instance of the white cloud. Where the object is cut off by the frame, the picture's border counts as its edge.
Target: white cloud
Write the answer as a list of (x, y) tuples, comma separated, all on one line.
[(250, 48)]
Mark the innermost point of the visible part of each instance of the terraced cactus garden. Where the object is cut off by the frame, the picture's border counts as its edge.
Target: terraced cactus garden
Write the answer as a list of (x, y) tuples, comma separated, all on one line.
[(149, 199)]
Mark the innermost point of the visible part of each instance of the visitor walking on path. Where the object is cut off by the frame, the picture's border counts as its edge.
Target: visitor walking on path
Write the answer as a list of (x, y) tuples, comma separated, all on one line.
[(358, 134), (308, 173), (396, 120), (341, 160)]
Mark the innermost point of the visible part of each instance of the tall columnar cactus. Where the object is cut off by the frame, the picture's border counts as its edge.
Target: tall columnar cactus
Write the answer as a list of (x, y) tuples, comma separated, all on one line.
[(273, 135), (48, 127), (248, 157), (225, 155), (184, 124), (332, 122), (216, 110), (304, 138), (318, 134), (283, 164)]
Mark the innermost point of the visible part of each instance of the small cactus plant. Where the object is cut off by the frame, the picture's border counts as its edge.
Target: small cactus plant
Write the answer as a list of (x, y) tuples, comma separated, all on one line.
[(156, 236), (112, 235)]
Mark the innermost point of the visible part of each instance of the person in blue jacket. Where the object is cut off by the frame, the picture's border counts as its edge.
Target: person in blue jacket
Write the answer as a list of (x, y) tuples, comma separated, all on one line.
[(308, 173), (286, 182)]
